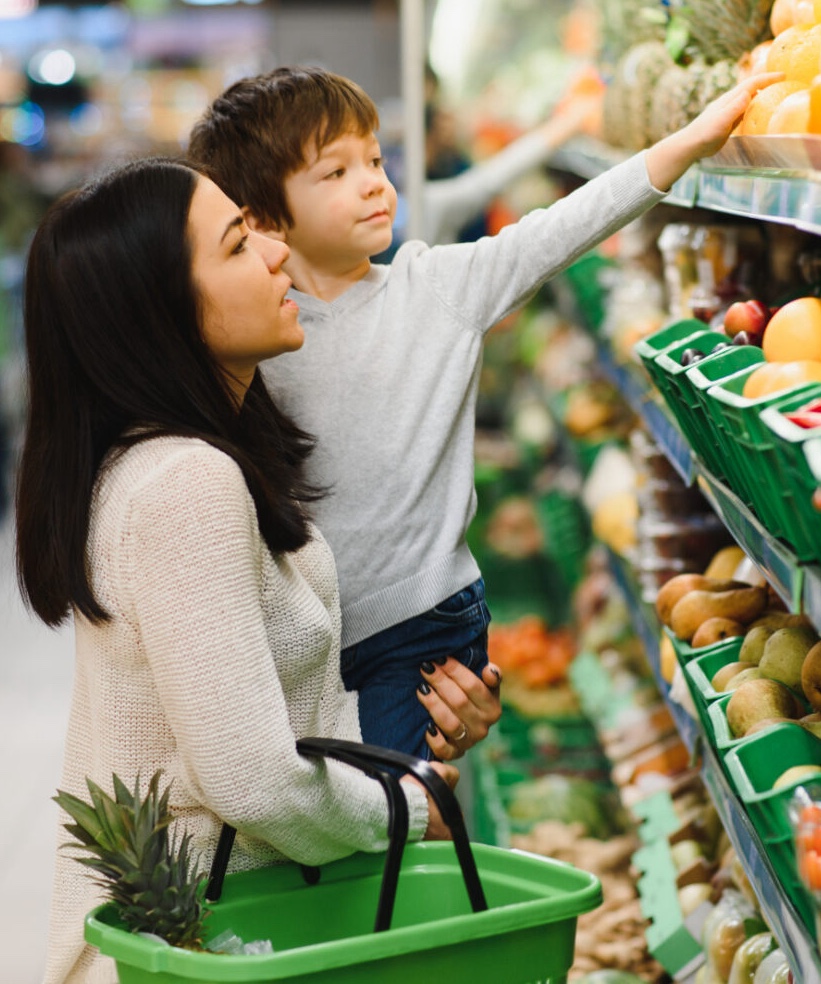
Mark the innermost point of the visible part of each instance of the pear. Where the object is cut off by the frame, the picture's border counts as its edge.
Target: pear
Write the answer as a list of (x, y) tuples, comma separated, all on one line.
[(752, 646), (754, 700), (811, 676), (751, 673), (797, 773), (784, 654), (772, 619), (722, 677)]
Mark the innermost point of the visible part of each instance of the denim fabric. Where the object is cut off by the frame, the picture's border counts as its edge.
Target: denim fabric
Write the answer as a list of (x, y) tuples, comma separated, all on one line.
[(385, 668)]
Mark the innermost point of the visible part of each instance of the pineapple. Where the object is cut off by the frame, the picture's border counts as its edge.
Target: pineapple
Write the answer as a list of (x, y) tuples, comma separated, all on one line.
[(150, 878), (641, 68), (725, 29), (668, 112)]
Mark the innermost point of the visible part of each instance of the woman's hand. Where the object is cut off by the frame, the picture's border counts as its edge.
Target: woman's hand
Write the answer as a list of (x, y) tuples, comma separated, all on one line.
[(437, 830), (706, 134), (462, 707)]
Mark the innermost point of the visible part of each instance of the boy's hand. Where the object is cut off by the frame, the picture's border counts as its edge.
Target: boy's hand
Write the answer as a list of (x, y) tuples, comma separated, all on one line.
[(706, 134), (462, 707)]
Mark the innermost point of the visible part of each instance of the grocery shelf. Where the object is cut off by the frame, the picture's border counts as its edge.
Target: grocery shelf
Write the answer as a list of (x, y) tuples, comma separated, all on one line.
[(793, 937), (772, 194), (781, 916)]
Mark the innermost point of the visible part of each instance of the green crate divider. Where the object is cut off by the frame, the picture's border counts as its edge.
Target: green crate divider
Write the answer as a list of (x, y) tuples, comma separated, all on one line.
[(668, 938), (793, 474), (746, 440), (648, 348), (671, 371), (700, 670), (657, 815), (700, 377), (591, 294), (755, 764)]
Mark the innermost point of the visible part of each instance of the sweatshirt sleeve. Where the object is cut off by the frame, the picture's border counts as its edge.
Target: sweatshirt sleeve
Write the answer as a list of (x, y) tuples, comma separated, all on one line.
[(485, 281), (195, 570)]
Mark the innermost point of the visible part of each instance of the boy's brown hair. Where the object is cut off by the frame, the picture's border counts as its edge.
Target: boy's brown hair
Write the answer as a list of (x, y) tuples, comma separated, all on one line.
[(259, 132)]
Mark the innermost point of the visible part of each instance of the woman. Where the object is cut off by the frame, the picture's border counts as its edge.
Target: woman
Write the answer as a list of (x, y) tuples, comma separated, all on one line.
[(159, 502)]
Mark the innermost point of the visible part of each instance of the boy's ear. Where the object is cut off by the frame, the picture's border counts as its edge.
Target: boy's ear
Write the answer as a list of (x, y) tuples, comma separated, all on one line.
[(258, 225)]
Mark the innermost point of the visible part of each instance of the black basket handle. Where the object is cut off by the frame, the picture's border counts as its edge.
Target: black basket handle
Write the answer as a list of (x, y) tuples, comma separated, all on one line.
[(372, 760)]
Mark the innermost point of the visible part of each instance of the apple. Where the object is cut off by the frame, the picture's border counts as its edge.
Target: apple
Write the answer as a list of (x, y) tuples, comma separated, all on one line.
[(749, 316)]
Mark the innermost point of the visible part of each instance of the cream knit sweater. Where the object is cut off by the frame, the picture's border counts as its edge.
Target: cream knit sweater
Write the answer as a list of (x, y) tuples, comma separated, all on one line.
[(217, 657)]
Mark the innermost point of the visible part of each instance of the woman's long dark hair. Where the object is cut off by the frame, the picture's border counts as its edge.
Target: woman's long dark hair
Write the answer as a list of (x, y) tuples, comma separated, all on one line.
[(115, 356)]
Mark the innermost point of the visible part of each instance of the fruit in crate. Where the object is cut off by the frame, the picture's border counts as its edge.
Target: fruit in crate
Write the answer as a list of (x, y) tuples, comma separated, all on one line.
[(751, 673), (674, 589), (740, 603), (784, 654), (775, 377), (724, 562), (811, 677), (793, 333), (797, 773), (721, 678), (713, 630), (758, 699), (748, 316)]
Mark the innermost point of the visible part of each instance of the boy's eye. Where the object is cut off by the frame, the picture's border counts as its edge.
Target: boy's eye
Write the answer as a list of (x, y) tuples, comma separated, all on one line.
[(378, 161), (337, 173)]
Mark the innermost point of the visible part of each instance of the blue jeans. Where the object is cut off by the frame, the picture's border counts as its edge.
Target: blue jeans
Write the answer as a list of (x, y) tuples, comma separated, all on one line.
[(385, 668)]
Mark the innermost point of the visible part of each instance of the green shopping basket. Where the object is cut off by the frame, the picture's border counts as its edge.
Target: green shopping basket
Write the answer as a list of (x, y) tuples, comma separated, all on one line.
[(497, 916)]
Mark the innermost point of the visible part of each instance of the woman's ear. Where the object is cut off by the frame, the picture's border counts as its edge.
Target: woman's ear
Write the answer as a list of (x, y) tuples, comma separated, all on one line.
[(258, 225)]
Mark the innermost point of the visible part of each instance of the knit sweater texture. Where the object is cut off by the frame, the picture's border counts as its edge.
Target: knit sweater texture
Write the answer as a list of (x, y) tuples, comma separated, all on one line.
[(217, 657), (387, 382)]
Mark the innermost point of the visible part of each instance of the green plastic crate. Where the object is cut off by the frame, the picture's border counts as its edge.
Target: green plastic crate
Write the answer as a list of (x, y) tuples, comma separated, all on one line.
[(793, 473), (745, 441), (700, 377), (755, 764), (647, 349), (322, 934), (670, 371), (700, 670)]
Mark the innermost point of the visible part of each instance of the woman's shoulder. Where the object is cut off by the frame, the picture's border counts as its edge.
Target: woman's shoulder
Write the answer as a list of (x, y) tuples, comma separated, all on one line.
[(160, 464)]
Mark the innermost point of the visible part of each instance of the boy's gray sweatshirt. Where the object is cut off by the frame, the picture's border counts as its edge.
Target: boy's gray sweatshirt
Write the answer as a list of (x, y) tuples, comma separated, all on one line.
[(387, 383)]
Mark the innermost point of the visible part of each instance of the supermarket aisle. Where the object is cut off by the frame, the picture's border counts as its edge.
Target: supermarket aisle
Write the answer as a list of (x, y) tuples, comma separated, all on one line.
[(35, 678)]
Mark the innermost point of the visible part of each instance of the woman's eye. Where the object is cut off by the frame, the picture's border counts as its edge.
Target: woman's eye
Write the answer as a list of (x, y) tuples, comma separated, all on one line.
[(241, 245)]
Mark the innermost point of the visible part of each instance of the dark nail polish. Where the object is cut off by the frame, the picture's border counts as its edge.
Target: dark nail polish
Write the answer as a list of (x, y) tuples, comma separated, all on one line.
[(440, 660), (433, 731), (427, 667), (423, 689)]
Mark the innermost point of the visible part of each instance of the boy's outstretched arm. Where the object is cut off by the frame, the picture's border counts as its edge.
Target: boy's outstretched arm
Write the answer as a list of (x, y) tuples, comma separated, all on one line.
[(668, 159)]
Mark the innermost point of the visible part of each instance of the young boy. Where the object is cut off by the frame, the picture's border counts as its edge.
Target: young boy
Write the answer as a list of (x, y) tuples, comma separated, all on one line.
[(387, 378)]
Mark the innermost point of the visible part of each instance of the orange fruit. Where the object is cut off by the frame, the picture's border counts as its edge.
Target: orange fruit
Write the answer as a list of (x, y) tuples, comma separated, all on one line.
[(814, 122), (764, 103), (774, 377), (792, 115), (755, 61), (796, 52), (794, 331), (782, 16)]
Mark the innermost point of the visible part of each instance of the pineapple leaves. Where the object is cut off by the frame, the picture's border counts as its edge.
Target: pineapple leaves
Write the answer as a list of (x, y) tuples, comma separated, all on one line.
[(149, 876)]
